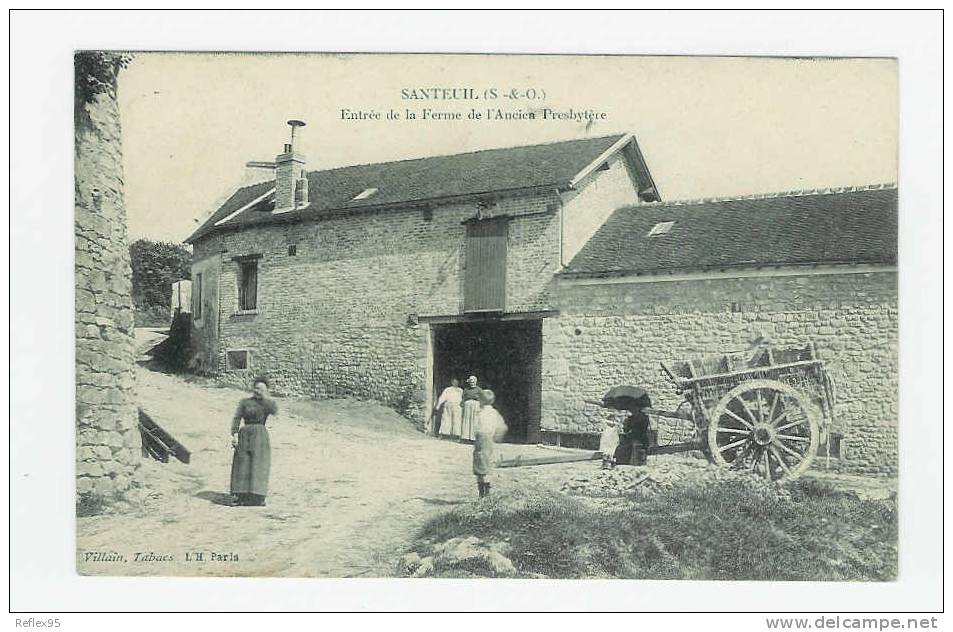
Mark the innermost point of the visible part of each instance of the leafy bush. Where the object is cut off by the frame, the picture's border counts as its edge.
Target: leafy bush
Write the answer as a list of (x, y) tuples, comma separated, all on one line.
[(155, 266), (717, 531)]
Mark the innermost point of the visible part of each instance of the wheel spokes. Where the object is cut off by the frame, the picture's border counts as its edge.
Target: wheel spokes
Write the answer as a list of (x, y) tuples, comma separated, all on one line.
[(779, 419), (732, 445), (793, 438), (747, 424), (774, 406), (741, 456), (784, 466), (797, 455), (744, 404), (739, 431), (757, 394), (769, 432)]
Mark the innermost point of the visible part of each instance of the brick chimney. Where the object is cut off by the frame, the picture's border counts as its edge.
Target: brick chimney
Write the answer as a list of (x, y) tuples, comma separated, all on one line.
[(291, 185)]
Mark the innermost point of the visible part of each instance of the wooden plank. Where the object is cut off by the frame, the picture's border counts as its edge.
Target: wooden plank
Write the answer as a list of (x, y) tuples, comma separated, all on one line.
[(163, 438), (522, 461), (763, 369), (664, 413), (673, 448)]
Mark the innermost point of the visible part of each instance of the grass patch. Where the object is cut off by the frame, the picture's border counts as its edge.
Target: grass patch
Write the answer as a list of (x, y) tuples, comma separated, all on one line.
[(717, 530), (89, 504)]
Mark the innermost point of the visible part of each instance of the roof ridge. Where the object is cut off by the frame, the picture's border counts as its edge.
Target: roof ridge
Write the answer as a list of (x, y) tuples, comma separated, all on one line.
[(475, 151), (771, 195)]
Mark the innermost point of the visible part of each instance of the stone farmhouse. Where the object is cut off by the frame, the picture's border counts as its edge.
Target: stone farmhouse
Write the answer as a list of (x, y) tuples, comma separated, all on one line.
[(552, 272)]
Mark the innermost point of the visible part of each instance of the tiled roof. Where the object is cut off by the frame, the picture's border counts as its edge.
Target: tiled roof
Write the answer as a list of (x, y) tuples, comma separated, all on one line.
[(411, 181), (840, 226)]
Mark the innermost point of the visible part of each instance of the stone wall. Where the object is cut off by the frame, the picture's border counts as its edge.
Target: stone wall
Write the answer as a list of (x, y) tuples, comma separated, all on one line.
[(342, 316), (617, 333), (108, 443)]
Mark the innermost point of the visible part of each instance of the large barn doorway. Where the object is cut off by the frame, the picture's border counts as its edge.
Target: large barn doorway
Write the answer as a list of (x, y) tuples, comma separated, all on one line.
[(506, 356)]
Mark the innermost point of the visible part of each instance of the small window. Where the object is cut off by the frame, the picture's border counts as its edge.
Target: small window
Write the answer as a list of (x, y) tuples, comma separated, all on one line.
[(428, 214), (236, 360), (603, 167), (363, 195), (197, 297), (293, 250), (248, 285), (662, 228)]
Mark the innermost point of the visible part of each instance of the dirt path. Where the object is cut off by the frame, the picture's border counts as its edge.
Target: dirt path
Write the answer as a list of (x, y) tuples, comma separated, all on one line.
[(351, 482)]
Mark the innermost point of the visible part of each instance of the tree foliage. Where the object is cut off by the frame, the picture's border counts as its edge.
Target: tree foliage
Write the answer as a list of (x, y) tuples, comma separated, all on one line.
[(95, 72), (156, 265)]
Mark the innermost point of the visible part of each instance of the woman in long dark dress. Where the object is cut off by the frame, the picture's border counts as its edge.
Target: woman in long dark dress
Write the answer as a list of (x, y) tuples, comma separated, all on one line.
[(251, 463)]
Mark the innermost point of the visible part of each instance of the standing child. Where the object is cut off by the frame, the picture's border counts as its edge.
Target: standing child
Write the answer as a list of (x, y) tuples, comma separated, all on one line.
[(489, 427), (608, 443)]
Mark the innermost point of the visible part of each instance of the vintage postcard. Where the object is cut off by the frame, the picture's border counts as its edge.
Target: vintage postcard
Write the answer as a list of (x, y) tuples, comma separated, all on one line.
[(466, 316)]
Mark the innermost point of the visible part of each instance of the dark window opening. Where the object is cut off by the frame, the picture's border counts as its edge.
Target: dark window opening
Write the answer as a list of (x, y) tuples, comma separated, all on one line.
[(197, 297), (292, 250), (236, 360), (485, 279), (604, 166), (248, 285), (833, 443), (428, 214)]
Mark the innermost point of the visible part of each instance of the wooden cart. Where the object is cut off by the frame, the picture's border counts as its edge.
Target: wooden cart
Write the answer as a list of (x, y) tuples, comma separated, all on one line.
[(762, 410)]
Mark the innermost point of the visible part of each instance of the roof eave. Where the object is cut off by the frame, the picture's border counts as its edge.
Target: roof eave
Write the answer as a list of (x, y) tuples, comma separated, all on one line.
[(556, 187), (601, 158), (570, 274)]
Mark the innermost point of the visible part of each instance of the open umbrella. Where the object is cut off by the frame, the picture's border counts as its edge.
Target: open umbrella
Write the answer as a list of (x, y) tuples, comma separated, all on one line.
[(635, 392), (626, 397)]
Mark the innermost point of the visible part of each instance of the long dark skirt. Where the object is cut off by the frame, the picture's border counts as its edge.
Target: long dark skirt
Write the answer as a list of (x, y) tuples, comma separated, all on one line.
[(251, 464)]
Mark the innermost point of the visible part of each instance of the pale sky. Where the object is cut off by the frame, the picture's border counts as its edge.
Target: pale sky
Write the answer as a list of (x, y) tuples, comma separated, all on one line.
[(708, 127)]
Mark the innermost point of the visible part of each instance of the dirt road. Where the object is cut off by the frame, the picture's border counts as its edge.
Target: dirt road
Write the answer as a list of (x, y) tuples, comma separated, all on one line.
[(351, 482)]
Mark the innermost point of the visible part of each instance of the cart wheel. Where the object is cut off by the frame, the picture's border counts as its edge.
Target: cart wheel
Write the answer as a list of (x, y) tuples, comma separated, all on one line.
[(764, 426)]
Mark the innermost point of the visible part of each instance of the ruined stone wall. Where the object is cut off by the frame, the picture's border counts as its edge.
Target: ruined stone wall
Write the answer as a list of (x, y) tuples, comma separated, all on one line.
[(108, 443), (617, 333)]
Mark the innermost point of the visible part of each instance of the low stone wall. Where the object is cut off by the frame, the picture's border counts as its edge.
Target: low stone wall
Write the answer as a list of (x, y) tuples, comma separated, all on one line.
[(615, 333), (384, 363)]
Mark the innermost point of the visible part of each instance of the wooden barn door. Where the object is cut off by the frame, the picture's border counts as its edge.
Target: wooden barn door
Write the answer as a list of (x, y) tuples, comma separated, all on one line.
[(485, 281)]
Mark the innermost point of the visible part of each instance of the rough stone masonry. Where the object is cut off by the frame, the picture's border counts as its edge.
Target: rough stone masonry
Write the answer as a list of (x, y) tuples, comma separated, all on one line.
[(108, 442)]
